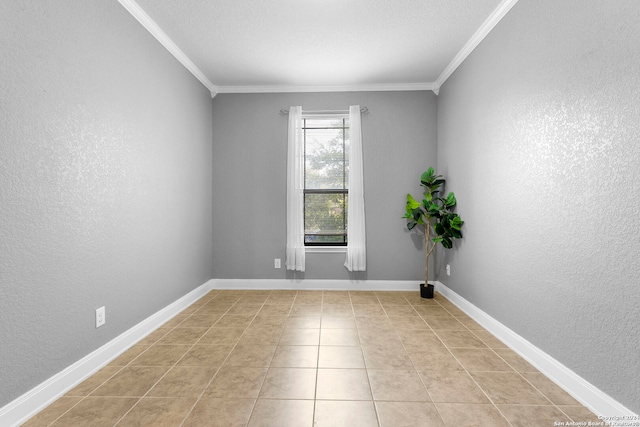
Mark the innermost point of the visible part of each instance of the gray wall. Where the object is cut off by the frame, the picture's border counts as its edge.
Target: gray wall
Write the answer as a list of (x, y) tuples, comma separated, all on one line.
[(249, 169), (105, 182), (539, 136)]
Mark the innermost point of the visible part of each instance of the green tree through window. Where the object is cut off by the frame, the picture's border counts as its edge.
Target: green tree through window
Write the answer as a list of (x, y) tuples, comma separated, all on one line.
[(326, 142)]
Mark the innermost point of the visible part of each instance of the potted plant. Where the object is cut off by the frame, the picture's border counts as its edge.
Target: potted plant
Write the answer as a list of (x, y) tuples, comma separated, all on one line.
[(436, 217)]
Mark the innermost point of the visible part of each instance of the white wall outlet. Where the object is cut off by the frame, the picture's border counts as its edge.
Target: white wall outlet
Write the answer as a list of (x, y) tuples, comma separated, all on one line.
[(276, 263), (448, 270), (100, 317)]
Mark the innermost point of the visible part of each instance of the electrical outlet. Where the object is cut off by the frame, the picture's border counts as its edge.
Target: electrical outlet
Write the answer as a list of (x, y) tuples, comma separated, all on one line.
[(276, 263), (448, 270), (100, 317)]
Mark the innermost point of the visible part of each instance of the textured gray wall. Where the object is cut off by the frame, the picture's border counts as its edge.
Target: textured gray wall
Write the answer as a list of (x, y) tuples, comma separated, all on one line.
[(249, 169), (105, 182), (539, 136)]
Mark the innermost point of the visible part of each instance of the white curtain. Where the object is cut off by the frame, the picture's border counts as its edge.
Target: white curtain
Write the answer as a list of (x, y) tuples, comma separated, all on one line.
[(295, 192), (356, 249)]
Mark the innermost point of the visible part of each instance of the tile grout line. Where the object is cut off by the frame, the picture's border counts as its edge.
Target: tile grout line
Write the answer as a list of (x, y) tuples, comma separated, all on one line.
[(508, 364), (373, 401), (194, 344), (413, 363), (121, 368), (514, 370), (180, 358), (521, 376), (315, 390), (268, 367), (176, 362), (471, 376), (364, 360)]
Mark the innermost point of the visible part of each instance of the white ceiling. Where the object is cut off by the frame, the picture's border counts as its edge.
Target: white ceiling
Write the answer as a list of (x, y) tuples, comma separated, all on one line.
[(302, 45)]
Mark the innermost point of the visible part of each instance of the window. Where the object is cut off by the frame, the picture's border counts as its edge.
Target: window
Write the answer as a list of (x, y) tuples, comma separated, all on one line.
[(324, 168), (326, 180)]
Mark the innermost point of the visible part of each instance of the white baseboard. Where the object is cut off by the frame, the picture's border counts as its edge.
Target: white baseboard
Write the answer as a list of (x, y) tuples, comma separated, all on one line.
[(596, 400), (33, 401), (313, 284)]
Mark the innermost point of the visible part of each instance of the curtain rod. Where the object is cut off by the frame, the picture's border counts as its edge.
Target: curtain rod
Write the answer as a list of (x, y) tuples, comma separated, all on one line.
[(363, 110)]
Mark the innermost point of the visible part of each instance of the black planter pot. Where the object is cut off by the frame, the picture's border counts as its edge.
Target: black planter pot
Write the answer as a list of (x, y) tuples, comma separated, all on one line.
[(426, 291)]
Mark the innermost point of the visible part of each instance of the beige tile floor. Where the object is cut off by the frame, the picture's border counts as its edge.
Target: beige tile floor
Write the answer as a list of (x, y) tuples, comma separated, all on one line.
[(317, 358)]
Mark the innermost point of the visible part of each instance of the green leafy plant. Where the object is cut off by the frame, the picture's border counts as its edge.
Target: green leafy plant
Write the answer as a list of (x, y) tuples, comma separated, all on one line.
[(434, 214)]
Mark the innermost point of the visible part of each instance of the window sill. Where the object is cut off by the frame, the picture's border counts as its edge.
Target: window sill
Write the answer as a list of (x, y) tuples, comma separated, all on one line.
[(325, 249)]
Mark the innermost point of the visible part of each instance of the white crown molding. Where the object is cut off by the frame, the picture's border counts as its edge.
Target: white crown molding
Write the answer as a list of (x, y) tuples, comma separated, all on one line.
[(136, 11), (474, 41), (587, 394), (29, 404), (327, 88)]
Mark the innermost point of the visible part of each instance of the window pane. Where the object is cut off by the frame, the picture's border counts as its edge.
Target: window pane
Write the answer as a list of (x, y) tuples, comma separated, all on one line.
[(320, 240), (324, 123), (325, 156), (325, 219)]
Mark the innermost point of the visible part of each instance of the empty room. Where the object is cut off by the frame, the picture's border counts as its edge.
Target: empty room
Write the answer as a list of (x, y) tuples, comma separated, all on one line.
[(319, 213)]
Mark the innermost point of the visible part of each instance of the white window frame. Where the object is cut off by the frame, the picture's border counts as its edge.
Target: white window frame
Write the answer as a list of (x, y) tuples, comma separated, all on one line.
[(326, 248)]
